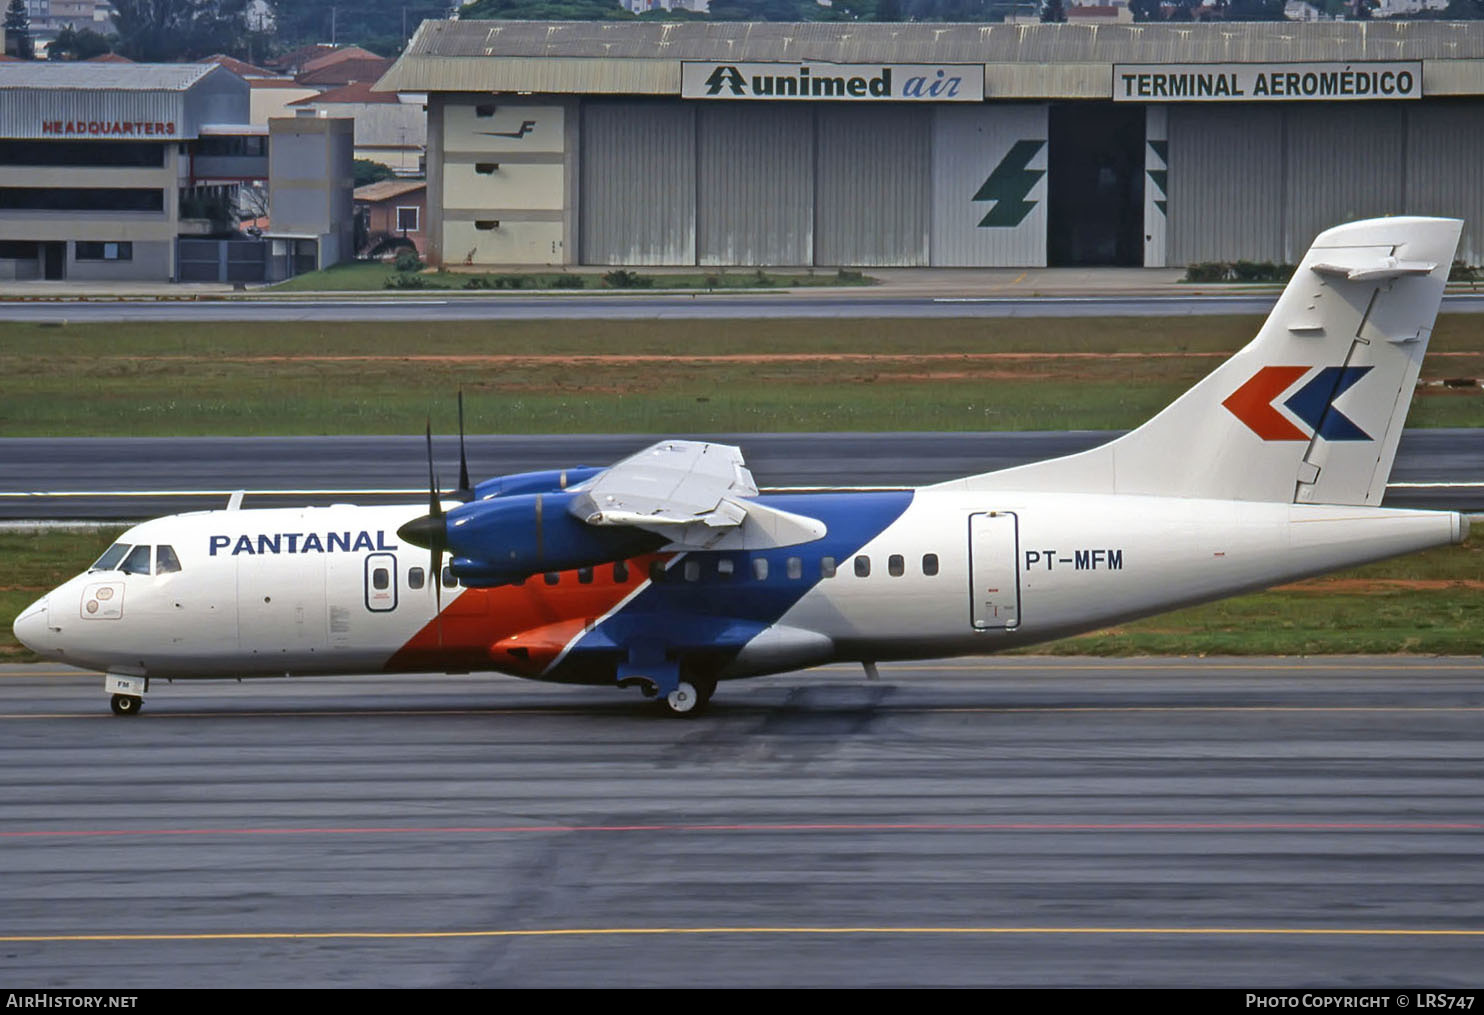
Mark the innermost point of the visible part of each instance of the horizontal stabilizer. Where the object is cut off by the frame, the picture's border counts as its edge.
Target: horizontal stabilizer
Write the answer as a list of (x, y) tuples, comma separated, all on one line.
[(1377, 269), (1311, 410)]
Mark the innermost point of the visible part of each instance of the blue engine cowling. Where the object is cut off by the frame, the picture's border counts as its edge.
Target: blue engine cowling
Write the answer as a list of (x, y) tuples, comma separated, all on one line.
[(545, 481), (513, 536)]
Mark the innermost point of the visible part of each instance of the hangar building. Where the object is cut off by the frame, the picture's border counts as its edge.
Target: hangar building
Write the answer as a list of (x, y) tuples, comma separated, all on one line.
[(930, 144)]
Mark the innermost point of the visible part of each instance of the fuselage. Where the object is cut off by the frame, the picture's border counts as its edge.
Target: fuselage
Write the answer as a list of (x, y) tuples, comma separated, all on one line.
[(899, 575)]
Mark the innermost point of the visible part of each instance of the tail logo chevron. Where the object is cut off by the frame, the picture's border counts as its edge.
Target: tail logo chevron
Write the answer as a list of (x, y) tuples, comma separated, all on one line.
[(1313, 404)]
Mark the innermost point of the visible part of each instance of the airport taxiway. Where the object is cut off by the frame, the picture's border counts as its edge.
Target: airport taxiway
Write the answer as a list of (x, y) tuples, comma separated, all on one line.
[(1019, 821)]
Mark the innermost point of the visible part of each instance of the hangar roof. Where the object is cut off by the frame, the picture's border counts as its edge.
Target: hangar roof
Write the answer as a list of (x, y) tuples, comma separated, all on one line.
[(1021, 61)]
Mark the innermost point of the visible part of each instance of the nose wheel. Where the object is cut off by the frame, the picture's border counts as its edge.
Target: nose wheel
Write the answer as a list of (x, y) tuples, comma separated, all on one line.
[(125, 704)]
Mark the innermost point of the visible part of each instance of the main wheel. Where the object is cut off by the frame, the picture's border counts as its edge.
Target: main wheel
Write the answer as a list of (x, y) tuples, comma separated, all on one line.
[(126, 704), (684, 699)]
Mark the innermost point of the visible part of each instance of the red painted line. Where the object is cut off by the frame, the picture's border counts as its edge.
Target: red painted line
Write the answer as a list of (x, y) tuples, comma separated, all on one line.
[(997, 826)]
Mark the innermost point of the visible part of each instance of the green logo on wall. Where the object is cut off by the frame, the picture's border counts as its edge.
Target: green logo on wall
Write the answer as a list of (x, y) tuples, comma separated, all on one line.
[(1008, 185)]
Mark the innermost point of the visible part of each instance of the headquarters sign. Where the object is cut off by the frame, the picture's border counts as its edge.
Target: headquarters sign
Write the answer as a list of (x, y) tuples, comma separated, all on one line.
[(833, 82), (1266, 82)]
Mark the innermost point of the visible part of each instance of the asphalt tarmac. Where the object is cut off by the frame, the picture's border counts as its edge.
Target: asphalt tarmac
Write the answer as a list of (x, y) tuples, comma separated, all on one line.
[(803, 304), (1251, 823), (82, 478)]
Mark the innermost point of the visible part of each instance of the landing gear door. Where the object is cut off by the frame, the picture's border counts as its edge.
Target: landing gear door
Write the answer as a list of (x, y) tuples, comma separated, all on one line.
[(994, 571)]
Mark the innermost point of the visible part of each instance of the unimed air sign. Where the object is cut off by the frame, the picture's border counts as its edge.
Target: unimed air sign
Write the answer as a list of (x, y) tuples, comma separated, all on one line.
[(1228, 82)]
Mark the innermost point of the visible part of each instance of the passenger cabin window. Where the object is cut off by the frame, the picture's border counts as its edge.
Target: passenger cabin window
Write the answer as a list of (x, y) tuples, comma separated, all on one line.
[(415, 578), (692, 570), (863, 566), (380, 579), (110, 558), (137, 562), (584, 576), (166, 562), (725, 567), (827, 567), (795, 567), (656, 570), (896, 566), (760, 568), (552, 577), (620, 573), (449, 581), (929, 564)]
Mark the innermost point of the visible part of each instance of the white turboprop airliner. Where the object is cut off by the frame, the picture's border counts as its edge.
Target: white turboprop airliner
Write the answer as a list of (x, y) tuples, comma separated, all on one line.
[(670, 571)]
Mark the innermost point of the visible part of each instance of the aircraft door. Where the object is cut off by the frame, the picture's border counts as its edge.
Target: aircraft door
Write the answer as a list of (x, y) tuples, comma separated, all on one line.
[(381, 582), (994, 571)]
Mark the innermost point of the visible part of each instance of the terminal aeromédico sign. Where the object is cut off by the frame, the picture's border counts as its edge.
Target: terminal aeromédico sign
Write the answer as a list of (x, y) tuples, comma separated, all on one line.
[(1266, 82), (834, 82)]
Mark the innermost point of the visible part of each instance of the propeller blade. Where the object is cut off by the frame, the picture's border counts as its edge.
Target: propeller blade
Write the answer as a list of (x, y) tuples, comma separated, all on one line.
[(466, 491)]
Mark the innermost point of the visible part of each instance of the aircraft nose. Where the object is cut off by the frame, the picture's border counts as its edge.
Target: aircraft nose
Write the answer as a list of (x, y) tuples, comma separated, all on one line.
[(30, 626)]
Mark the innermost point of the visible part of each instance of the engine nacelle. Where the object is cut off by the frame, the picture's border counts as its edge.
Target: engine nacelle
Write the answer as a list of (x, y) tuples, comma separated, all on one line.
[(545, 481), (516, 535)]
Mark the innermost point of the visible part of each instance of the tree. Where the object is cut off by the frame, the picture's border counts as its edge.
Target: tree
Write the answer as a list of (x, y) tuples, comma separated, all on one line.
[(18, 30), (166, 31), (366, 171), (77, 44), (549, 10), (382, 26), (1053, 12)]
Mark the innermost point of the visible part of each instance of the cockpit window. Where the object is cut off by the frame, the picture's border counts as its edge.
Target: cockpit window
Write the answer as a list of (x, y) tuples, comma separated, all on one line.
[(166, 562), (110, 558), (137, 562)]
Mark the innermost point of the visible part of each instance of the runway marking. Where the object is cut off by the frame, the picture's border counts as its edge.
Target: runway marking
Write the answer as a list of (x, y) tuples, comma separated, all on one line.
[(371, 712), (350, 935), (925, 826)]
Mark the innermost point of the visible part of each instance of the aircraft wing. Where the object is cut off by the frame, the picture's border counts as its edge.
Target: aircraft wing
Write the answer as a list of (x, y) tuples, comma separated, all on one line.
[(697, 494)]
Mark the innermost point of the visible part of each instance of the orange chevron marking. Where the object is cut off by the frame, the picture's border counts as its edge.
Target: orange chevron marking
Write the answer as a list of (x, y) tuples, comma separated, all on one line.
[(1252, 403)]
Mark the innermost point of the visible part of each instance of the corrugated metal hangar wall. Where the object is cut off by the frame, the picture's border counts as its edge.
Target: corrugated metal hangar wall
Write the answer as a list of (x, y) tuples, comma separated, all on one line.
[(1260, 182), (668, 182)]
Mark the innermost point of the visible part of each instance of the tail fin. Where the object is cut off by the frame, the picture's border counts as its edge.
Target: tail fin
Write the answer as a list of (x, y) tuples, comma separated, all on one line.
[(1309, 411)]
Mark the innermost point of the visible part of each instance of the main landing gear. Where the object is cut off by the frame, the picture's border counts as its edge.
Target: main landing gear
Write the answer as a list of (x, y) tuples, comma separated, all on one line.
[(689, 698), (126, 704)]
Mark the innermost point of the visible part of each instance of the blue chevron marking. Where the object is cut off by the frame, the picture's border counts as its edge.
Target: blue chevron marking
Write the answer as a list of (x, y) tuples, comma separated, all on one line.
[(1314, 403)]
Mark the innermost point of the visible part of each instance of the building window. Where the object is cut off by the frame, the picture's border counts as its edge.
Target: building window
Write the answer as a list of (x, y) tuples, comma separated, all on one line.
[(486, 168), (87, 250), (407, 219), (486, 224), (82, 199), (485, 111)]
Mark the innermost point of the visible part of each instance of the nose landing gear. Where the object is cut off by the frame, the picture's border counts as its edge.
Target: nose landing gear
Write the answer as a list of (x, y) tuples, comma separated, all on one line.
[(128, 692)]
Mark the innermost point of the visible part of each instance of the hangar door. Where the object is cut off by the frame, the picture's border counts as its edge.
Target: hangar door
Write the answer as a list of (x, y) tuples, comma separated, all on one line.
[(873, 205), (755, 184), (637, 203)]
